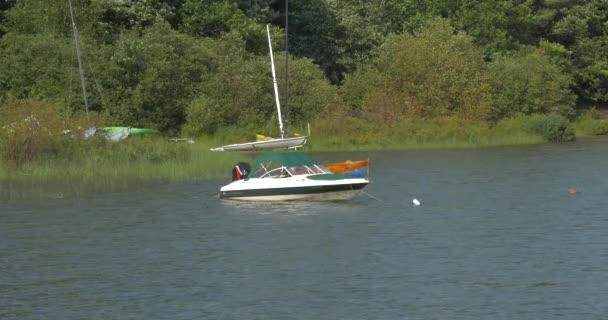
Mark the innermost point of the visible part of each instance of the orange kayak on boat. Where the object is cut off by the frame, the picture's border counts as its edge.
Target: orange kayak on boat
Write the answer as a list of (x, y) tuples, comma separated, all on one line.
[(346, 166)]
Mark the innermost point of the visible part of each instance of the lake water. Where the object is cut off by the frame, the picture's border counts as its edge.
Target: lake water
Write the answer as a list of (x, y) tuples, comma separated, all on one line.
[(497, 236)]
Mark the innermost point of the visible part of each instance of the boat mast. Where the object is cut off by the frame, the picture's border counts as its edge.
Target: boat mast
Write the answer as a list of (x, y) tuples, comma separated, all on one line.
[(274, 82), (286, 66), (82, 83)]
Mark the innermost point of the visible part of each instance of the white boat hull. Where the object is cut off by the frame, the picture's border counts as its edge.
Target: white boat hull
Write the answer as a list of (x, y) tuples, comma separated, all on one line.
[(330, 196), (293, 188)]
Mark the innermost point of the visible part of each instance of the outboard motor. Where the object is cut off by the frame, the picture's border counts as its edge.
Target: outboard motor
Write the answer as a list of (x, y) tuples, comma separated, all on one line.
[(240, 171)]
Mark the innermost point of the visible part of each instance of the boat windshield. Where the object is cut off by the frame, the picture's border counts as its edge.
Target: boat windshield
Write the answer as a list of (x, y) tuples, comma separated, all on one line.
[(283, 172), (299, 170)]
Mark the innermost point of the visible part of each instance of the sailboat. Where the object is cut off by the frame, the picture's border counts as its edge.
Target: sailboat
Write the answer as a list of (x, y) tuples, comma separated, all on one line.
[(274, 143)]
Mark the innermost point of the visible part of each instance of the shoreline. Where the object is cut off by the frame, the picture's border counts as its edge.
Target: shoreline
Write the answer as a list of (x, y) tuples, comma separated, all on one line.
[(53, 179)]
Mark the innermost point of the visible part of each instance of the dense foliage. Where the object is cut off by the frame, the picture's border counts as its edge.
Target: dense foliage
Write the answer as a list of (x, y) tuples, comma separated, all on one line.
[(201, 66), (432, 73), (528, 82)]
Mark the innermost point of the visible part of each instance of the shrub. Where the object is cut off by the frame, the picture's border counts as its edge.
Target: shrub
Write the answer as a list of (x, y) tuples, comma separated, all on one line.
[(31, 129), (600, 127), (204, 116), (433, 73), (528, 82), (552, 127), (589, 123)]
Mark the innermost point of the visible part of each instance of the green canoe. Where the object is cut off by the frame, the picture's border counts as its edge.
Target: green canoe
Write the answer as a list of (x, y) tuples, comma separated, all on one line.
[(112, 130)]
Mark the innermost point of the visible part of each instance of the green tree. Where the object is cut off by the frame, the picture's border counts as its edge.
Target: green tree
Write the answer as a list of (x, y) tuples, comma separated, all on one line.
[(117, 16), (35, 65), (310, 92), (362, 26), (149, 79), (38, 17), (583, 29), (497, 26), (313, 33), (528, 83), (219, 19), (4, 6), (435, 72), (38, 52), (240, 93), (259, 10)]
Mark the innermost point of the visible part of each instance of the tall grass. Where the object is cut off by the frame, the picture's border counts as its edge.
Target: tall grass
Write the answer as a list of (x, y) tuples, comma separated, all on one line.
[(589, 124), (117, 166), (138, 158), (438, 133), (42, 148)]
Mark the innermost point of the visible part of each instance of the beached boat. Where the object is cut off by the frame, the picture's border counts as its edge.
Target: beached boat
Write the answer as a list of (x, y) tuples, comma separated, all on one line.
[(275, 144), (285, 176), (117, 135), (132, 131)]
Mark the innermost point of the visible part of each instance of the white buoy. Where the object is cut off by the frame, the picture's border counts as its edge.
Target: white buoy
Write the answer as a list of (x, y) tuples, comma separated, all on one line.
[(416, 202)]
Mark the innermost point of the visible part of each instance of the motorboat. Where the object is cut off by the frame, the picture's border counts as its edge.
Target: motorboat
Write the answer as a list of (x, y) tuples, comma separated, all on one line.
[(286, 176)]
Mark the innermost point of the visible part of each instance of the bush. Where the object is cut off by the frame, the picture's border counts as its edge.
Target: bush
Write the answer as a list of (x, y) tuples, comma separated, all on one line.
[(30, 129), (528, 82), (600, 127), (552, 127), (433, 73), (204, 116), (589, 123)]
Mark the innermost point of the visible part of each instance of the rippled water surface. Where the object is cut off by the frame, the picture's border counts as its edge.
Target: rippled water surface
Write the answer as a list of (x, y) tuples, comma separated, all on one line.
[(497, 236)]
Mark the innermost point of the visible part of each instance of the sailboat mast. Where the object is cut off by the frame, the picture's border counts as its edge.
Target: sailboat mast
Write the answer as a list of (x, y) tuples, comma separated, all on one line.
[(286, 65), (274, 82), (80, 69)]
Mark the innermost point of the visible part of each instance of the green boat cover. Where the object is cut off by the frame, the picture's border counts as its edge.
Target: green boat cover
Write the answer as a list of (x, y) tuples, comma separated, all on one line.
[(287, 159), (272, 160), (113, 130)]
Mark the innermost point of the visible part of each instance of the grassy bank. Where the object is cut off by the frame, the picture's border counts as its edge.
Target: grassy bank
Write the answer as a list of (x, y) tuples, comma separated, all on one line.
[(113, 166), (134, 159), (443, 133), (591, 123)]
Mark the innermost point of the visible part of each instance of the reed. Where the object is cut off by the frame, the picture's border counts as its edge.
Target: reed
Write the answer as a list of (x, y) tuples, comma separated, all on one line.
[(88, 166), (589, 124), (440, 133), (133, 159)]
